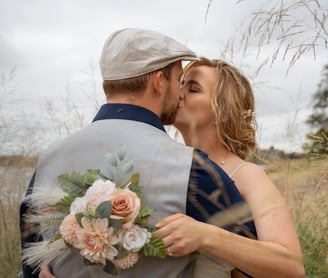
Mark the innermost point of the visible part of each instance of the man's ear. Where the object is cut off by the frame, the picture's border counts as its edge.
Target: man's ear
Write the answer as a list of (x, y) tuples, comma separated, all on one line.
[(157, 81)]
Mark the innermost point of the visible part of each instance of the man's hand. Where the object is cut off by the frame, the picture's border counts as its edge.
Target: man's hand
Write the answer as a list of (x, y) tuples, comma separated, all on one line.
[(46, 272)]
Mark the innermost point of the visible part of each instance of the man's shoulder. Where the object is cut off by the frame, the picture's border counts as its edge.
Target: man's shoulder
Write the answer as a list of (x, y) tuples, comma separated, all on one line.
[(202, 160)]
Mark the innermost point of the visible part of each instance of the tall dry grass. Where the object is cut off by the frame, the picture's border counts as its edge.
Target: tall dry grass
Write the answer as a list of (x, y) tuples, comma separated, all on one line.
[(14, 175), (304, 185), (289, 28)]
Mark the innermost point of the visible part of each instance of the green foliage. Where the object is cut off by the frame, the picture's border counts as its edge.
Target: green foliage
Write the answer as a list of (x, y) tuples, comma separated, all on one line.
[(145, 212), (76, 183), (136, 189), (155, 247), (143, 215), (121, 251), (318, 120), (110, 268), (64, 204)]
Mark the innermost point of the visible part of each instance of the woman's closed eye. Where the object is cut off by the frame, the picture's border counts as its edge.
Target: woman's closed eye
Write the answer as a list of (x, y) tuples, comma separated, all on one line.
[(193, 89)]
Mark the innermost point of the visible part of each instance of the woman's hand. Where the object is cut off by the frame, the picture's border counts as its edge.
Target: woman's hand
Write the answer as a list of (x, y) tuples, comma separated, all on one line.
[(181, 234)]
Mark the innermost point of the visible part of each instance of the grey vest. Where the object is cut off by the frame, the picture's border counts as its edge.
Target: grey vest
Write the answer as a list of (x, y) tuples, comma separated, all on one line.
[(164, 167)]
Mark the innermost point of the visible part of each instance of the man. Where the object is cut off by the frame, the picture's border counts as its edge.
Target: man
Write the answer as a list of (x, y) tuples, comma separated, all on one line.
[(141, 71)]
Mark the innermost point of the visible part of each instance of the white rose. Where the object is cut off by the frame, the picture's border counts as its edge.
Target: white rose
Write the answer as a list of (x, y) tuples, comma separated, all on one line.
[(78, 205), (135, 238), (99, 192)]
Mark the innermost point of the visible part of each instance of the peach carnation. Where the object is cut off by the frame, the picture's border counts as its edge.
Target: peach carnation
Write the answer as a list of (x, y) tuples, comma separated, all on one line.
[(96, 240), (69, 229)]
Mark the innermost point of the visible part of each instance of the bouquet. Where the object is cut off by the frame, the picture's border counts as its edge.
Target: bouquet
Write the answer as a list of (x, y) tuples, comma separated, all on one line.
[(100, 213)]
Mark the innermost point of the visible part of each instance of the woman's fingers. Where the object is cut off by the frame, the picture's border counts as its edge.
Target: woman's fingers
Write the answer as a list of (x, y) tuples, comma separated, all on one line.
[(179, 234), (168, 220)]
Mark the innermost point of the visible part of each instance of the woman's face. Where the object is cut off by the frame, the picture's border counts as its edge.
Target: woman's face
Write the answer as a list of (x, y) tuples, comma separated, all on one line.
[(198, 87)]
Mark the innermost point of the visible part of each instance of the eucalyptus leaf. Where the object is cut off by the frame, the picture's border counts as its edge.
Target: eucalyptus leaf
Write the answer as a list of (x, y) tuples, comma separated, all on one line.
[(123, 180), (121, 153), (78, 218), (122, 252), (124, 172), (127, 167), (108, 173), (104, 209), (116, 224), (112, 159)]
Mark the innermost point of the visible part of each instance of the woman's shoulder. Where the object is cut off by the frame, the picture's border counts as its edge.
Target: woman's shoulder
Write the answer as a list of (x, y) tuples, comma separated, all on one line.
[(251, 177), (248, 170)]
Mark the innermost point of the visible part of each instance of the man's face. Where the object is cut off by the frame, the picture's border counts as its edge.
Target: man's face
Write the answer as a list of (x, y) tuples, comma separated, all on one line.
[(173, 95)]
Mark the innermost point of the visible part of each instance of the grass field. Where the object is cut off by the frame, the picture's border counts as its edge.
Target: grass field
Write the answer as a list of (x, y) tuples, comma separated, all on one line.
[(304, 182)]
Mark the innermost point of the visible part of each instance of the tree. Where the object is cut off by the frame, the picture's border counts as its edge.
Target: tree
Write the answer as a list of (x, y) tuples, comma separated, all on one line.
[(318, 120)]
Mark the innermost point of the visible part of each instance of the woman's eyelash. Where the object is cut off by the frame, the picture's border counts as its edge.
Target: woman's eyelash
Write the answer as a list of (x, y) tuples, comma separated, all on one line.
[(193, 90)]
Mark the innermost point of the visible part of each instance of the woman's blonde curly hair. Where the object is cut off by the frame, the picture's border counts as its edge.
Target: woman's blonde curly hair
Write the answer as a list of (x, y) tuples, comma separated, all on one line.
[(233, 105)]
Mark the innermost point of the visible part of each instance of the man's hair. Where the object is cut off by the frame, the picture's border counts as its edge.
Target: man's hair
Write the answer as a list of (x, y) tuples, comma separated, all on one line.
[(132, 86)]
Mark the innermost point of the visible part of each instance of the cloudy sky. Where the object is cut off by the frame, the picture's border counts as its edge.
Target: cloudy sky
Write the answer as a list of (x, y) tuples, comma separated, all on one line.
[(53, 43)]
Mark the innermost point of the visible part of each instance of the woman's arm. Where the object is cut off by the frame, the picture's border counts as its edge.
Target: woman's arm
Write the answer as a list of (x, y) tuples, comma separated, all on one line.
[(277, 251)]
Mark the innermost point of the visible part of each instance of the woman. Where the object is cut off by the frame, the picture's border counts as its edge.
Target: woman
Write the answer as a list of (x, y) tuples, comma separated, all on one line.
[(217, 117)]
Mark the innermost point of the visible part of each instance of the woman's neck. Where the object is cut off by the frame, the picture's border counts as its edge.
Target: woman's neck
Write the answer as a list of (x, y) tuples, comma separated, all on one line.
[(205, 140)]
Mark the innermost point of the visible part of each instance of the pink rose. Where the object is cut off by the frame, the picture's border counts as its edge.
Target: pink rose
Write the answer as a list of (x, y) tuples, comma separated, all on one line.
[(125, 204)]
